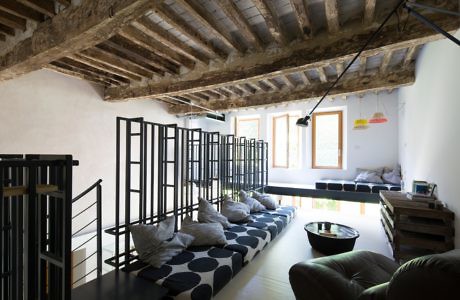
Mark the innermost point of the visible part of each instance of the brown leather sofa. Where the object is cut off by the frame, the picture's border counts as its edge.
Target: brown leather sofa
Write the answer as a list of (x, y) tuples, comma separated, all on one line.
[(364, 275)]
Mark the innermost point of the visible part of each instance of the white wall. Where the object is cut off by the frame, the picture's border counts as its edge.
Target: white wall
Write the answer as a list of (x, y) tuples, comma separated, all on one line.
[(429, 123), (371, 148), (46, 112)]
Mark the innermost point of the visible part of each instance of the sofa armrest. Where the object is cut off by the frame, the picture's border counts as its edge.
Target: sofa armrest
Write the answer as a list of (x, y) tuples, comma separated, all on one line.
[(378, 292)]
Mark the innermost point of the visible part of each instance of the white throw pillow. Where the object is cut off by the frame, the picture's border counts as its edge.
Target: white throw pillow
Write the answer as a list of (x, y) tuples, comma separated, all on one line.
[(254, 205), (266, 200), (371, 176), (205, 234), (392, 176), (208, 214), (236, 211)]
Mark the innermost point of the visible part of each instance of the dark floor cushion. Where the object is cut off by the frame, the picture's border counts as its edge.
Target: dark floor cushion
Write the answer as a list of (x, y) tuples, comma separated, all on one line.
[(363, 187), (378, 187), (284, 211), (248, 241), (321, 185), (349, 186), (198, 273), (335, 185)]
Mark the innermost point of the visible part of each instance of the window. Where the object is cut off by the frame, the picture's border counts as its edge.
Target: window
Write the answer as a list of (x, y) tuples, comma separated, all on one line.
[(248, 127), (286, 141), (327, 140)]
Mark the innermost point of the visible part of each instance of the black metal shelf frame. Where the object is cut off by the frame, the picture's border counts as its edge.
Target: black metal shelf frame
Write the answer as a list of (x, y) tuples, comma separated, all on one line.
[(162, 170)]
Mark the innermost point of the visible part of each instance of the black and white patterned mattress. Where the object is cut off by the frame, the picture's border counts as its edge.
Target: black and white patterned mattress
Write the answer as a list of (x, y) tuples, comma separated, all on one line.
[(248, 241), (198, 273), (271, 222), (286, 211)]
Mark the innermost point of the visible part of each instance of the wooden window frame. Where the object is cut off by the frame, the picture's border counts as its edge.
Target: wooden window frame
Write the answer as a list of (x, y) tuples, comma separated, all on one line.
[(340, 133), (287, 116), (237, 120)]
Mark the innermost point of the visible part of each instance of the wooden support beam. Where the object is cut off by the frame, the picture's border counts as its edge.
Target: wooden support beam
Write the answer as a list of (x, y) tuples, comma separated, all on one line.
[(168, 40), (369, 11), (137, 53), (350, 85), (224, 92), (271, 19), (45, 7), (20, 10), (131, 60), (202, 96), (140, 38), (7, 30), (232, 11), (105, 67), (193, 97), (290, 83), (2, 37), (385, 61), (362, 65), (114, 61), (74, 72), (204, 17), (304, 77), (256, 87), (332, 15), (311, 54), (117, 80), (13, 21), (72, 30), (269, 82), (410, 55), (339, 68), (322, 74), (302, 18)]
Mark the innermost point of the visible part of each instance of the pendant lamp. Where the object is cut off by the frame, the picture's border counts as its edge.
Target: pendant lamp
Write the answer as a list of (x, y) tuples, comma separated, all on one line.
[(360, 124), (378, 117)]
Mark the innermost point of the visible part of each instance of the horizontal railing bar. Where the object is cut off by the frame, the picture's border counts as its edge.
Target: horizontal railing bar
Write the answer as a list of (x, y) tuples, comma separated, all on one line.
[(91, 238), (94, 203), (78, 231)]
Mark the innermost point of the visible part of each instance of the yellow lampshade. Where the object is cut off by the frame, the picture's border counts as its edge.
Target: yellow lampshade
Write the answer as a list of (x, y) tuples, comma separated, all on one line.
[(361, 124), (378, 117)]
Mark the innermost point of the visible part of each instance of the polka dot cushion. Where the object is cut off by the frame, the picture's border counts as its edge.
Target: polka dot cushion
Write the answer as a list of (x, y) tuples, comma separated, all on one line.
[(197, 273), (248, 241), (286, 211), (273, 223)]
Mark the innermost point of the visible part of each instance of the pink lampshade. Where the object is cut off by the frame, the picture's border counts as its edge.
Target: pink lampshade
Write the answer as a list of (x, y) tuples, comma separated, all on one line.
[(377, 118)]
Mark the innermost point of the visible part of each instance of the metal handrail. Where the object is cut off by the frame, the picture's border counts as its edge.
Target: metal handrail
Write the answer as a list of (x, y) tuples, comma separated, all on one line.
[(86, 191)]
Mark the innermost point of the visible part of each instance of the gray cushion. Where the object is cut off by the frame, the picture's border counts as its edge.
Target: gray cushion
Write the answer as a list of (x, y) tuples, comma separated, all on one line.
[(235, 211), (265, 200), (254, 205), (205, 234), (158, 244), (208, 214), (392, 176), (372, 175)]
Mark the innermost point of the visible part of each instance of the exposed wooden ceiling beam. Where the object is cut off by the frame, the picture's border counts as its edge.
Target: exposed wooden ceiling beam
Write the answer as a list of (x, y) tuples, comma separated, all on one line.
[(131, 60), (232, 11), (332, 15), (350, 85), (339, 68), (82, 66), (290, 83), (271, 19), (304, 77), (302, 18), (207, 19), (15, 8), (139, 53), (70, 31), (112, 60), (362, 65), (322, 74), (369, 11), (167, 39), (105, 67), (108, 81), (63, 69), (410, 55), (43, 6), (271, 84), (13, 21), (311, 54), (142, 39), (7, 30), (385, 61)]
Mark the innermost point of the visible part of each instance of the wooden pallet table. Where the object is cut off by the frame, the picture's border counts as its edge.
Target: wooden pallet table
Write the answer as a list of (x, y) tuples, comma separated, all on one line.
[(414, 229)]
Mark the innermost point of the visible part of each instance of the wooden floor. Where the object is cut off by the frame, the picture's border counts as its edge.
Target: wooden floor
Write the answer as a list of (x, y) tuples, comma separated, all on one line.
[(266, 277)]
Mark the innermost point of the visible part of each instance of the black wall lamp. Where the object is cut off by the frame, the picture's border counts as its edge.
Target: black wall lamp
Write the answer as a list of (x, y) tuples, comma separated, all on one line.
[(409, 7)]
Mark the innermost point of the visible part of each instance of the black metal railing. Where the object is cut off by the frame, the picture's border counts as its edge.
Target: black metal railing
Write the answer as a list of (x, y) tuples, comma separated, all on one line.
[(97, 205)]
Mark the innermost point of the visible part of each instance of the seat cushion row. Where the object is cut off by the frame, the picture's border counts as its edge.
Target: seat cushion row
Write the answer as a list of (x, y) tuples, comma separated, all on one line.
[(351, 186)]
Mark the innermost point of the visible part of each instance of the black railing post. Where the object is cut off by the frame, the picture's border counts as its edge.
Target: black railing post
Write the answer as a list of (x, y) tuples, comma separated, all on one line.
[(99, 229)]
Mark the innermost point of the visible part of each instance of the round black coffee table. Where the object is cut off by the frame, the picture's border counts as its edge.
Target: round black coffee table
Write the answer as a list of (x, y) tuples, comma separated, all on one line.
[(330, 238)]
